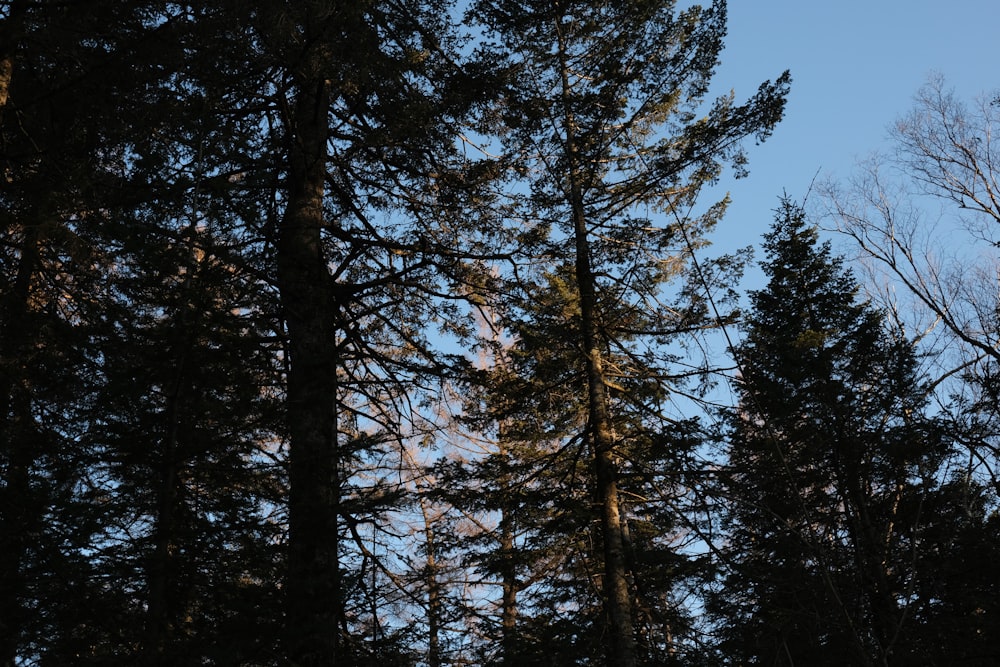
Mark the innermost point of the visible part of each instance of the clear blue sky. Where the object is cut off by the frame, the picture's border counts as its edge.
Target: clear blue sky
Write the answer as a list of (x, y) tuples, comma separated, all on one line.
[(856, 65)]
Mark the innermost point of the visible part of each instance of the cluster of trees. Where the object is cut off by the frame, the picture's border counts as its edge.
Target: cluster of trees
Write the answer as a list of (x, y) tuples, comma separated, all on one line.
[(382, 332)]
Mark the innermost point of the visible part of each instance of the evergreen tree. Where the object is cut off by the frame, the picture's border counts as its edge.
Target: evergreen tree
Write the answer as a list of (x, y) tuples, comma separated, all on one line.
[(367, 248), (183, 438), (60, 132), (832, 470), (139, 530), (601, 120)]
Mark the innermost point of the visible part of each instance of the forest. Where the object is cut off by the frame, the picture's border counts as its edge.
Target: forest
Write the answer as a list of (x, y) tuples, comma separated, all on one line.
[(390, 332)]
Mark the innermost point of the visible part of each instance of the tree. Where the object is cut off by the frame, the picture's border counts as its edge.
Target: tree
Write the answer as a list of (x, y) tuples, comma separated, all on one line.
[(60, 132), (832, 474), (924, 218), (353, 227), (138, 373), (182, 442), (602, 120), (944, 163), (369, 93), (534, 537)]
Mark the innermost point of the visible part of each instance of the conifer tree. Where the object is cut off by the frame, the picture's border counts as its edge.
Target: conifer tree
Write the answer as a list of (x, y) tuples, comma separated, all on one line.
[(123, 544), (60, 131), (183, 438), (366, 254), (606, 121), (831, 460)]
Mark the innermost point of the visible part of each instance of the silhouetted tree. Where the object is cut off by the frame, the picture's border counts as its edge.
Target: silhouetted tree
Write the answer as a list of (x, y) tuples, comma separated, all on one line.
[(601, 120), (833, 467)]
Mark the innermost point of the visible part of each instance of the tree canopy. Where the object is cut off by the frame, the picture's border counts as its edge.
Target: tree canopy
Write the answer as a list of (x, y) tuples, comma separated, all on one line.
[(387, 332)]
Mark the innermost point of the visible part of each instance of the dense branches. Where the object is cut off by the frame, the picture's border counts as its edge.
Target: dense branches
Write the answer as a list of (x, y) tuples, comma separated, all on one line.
[(925, 221), (837, 477), (373, 333), (599, 121)]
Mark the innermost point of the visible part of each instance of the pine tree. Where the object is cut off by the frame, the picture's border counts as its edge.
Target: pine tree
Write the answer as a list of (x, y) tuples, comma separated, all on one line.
[(61, 131), (601, 116), (830, 460)]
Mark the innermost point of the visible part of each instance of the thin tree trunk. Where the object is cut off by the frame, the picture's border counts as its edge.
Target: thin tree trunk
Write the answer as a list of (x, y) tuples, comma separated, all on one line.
[(616, 588), (433, 593), (617, 596), (508, 609), (161, 571), (509, 641), (163, 612)]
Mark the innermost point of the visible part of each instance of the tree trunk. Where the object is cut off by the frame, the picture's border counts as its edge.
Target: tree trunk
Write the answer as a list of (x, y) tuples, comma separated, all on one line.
[(161, 571), (433, 594), (508, 610), (617, 596), (163, 611), (17, 510), (313, 584)]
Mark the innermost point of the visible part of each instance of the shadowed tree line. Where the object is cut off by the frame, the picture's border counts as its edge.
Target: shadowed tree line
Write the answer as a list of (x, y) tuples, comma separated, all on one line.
[(387, 332)]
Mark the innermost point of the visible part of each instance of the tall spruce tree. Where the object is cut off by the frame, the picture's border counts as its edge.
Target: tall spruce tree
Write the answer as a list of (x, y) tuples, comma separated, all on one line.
[(832, 471), (605, 121)]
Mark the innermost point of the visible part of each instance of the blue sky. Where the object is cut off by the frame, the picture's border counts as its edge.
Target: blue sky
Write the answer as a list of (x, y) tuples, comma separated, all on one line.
[(855, 66)]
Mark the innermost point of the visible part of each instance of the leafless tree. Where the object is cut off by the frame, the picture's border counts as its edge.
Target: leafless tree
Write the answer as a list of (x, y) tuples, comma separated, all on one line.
[(925, 217)]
